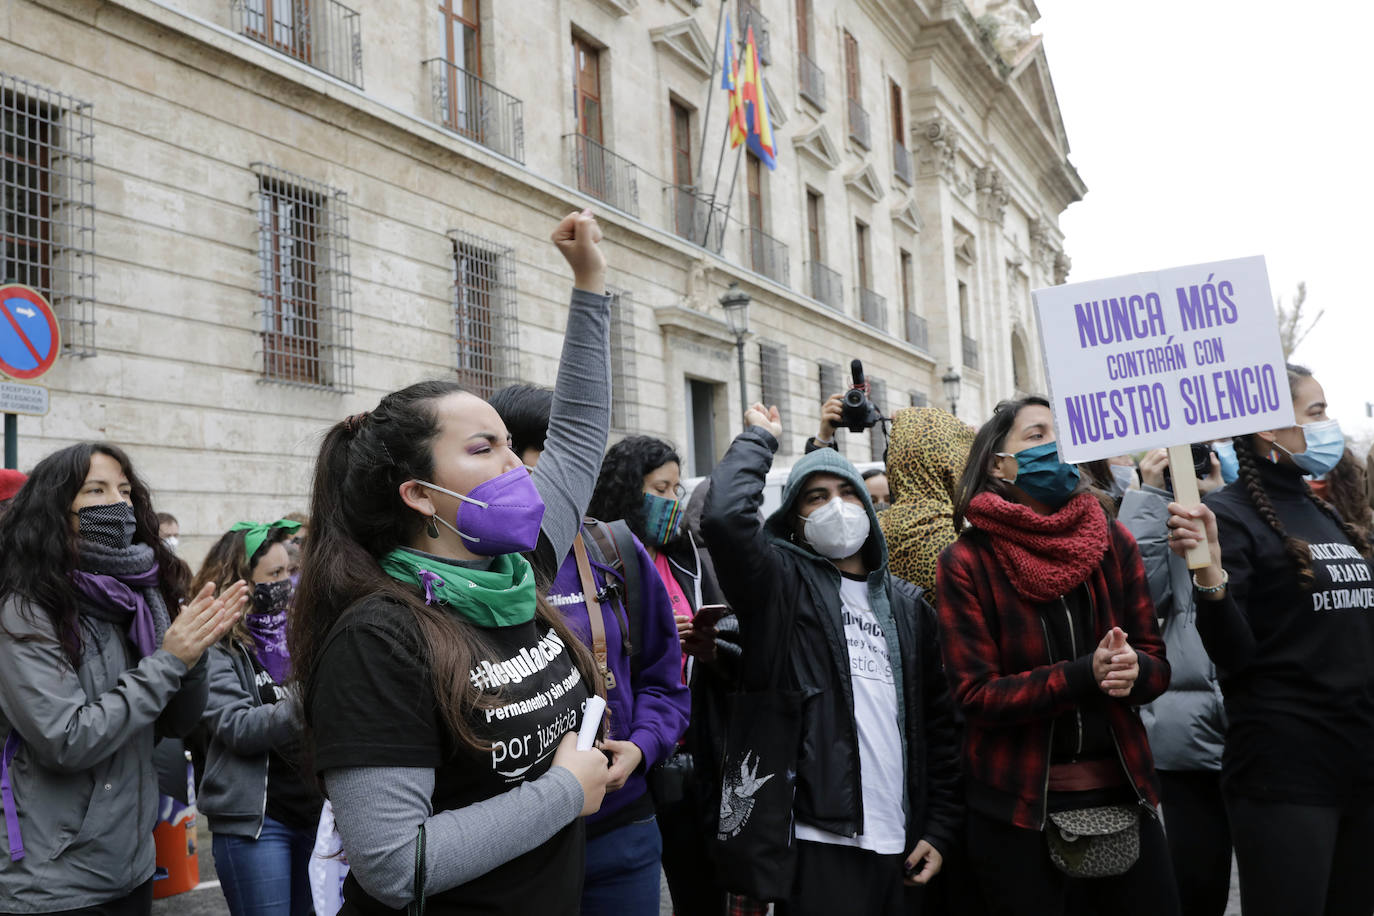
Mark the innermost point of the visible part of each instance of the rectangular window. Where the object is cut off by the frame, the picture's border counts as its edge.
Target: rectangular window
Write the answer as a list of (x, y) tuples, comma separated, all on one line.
[(898, 116), (682, 145), (322, 33), (813, 226), (919, 399), (861, 241), (832, 381), (587, 90), (851, 68), (48, 227), (624, 411), (462, 34), (904, 264), (753, 172), (701, 425), (963, 307), (877, 436), (804, 26), (306, 284), (776, 387), (484, 313)]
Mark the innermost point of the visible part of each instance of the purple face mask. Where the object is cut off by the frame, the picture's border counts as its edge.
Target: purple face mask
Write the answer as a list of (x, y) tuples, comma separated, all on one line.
[(498, 516)]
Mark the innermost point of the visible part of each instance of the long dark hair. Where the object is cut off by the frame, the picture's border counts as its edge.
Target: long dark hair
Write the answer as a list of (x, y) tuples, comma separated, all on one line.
[(1299, 552), (356, 517), (1346, 490), (977, 475), (619, 489), (40, 546)]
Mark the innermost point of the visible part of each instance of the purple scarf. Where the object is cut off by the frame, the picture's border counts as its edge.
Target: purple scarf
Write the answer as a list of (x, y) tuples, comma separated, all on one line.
[(122, 596), (269, 643)]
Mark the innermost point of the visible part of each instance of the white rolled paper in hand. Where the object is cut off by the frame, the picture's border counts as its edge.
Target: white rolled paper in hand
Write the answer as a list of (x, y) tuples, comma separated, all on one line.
[(591, 722)]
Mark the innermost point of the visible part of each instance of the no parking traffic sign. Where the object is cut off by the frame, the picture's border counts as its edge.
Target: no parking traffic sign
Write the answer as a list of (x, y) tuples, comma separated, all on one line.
[(29, 335)]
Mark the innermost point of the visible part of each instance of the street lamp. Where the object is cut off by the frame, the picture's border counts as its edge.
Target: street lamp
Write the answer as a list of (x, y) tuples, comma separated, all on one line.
[(951, 381), (736, 305)]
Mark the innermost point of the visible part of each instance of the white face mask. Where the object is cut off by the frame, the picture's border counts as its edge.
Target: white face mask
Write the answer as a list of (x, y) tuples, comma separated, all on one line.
[(838, 529), (172, 542)]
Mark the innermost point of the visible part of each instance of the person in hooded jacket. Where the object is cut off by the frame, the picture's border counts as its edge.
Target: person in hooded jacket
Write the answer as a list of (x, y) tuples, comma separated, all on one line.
[(1050, 642), (926, 453), (262, 810), (1187, 724), (877, 785)]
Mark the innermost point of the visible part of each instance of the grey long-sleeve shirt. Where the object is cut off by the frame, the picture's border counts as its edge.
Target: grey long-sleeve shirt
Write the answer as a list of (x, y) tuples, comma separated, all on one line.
[(377, 809)]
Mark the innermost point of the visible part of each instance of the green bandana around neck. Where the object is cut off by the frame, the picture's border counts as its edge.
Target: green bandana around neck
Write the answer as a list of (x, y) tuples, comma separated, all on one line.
[(256, 532), (502, 596)]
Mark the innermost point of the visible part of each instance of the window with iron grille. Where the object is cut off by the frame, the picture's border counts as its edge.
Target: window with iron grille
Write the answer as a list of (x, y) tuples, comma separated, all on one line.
[(624, 411), (484, 313), (832, 381), (877, 436), (305, 281), (776, 389), (48, 227)]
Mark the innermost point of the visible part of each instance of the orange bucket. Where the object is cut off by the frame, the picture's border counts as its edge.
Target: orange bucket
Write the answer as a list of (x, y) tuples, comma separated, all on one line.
[(176, 852)]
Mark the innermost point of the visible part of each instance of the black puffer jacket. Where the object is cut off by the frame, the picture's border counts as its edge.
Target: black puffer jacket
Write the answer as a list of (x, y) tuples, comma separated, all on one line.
[(787, 599)]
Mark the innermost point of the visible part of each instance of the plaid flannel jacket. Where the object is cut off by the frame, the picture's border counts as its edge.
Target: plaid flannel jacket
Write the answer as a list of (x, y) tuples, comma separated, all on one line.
[(997, 656)]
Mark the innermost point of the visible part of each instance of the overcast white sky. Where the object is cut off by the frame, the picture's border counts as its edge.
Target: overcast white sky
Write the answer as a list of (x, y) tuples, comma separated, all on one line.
[(1210, 129)]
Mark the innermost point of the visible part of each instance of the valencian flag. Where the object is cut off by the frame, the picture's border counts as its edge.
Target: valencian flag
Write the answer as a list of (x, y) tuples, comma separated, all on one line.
[(749, 120)]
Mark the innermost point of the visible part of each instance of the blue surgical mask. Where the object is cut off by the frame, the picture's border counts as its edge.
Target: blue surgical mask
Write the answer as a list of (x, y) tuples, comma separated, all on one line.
[(1230, 465), (1042, 476), (662, 518), (1325, 446)]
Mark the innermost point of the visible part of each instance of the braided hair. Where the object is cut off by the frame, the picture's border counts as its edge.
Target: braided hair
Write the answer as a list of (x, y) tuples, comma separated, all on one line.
[(1299, 551)]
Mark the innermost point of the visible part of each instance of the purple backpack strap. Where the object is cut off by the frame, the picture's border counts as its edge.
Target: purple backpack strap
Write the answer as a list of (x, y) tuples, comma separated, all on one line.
[(7, 796)]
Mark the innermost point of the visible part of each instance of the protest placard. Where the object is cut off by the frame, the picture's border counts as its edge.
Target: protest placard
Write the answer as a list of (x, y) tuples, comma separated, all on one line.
[(1164, 358)]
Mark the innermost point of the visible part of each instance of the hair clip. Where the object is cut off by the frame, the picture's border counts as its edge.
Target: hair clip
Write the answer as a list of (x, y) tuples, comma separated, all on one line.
[(355, 422)]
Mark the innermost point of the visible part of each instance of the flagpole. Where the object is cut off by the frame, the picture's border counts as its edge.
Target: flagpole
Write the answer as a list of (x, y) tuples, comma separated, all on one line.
[(720, 160), (711, 86), (730, 197)]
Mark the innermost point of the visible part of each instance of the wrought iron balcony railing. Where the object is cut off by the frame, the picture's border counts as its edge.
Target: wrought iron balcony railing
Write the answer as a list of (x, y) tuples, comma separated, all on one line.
[(602, 174), (695, 218), (827, 286), (811, 79), (749, 15), (901, 161), (858, 125), (767, 255), (872, 308), (469, 105), (917, 331), (322, 33), (970, 352)]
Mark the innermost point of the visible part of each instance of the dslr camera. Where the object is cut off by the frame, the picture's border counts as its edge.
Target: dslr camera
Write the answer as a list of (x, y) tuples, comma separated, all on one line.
[(858, 412), (1202, 464)]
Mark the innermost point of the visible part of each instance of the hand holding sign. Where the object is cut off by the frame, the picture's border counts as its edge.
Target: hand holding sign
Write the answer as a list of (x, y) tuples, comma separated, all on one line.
[(1166, 358)]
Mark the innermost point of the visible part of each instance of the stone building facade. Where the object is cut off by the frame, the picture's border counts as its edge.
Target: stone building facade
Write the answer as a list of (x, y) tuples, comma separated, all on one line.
[(257, 216)]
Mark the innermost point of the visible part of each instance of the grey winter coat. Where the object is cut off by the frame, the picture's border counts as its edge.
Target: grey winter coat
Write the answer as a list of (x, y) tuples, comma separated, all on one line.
[(1187, 724), (84, 781), (241, 730)]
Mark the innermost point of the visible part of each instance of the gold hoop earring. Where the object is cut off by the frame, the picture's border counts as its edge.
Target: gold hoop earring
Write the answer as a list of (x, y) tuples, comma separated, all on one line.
[(432, 528)]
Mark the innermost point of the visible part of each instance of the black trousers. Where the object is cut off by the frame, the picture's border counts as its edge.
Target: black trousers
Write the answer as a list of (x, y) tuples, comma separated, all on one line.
[(1013, 867), (1303, 858), (137, 903), (686, 858), (844, 879), (1199, 836)]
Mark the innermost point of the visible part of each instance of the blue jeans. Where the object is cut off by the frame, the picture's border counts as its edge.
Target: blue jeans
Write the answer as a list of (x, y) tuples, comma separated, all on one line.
[(268, 876), (622, 871)]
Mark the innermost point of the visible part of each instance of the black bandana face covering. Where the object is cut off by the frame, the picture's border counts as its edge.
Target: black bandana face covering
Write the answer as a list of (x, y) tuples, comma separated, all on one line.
[(110, 525), (271, 597)]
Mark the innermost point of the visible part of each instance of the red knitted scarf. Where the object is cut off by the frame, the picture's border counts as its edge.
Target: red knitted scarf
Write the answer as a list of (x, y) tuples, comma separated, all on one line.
[(1045, 556)]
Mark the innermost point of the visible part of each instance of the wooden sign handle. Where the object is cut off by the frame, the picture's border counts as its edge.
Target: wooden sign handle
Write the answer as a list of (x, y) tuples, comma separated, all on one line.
[(1186, 495)]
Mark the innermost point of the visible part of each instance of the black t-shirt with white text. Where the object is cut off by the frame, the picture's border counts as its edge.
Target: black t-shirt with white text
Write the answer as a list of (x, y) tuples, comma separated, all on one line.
[(1300, 707), (373, 706)]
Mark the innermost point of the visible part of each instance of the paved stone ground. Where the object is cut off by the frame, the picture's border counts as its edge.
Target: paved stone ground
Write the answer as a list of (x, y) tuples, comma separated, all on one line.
[(207, 900)]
